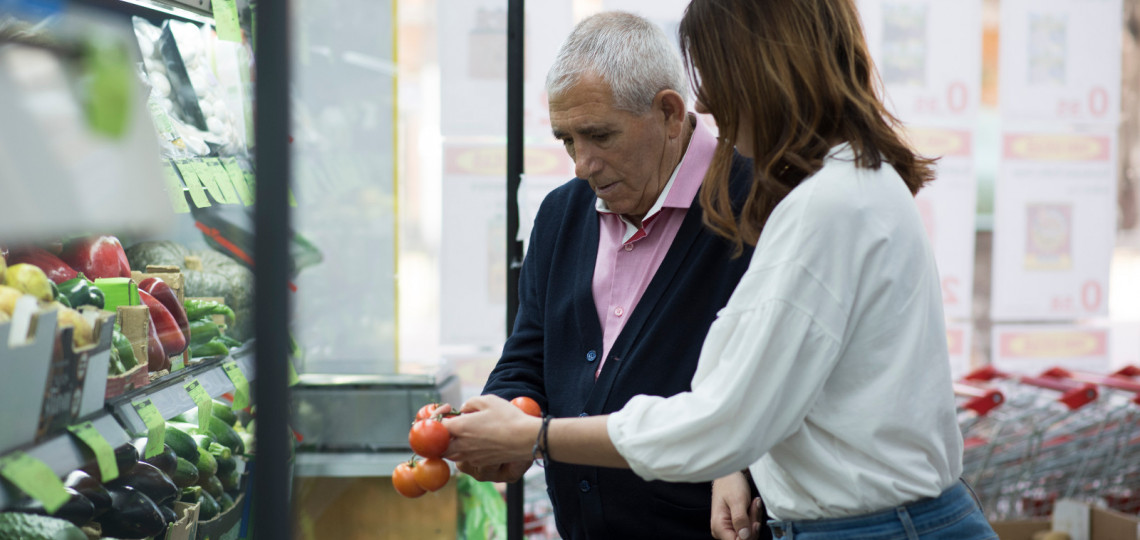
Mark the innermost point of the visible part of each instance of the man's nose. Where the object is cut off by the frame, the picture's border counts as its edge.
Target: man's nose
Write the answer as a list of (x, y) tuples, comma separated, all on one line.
[(586, 165)]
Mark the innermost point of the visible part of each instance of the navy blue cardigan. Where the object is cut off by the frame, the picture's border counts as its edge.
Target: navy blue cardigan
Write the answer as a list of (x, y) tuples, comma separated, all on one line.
[(553, 352)]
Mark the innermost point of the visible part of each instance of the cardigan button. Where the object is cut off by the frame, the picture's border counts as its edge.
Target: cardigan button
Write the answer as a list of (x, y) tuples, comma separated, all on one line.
[(584, 486), (591, 356)]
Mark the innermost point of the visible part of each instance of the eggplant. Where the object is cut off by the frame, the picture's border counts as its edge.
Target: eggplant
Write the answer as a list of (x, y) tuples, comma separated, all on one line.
[(78, 510), (166, 462), (89, 487), (149, 480), (132, 516), (125, 457), (168, 514)]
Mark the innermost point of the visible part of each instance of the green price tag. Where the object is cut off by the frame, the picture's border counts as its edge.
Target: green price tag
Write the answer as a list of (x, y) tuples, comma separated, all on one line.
[(104, 454), (208, 179), (221, 178), (107, 81), (294, 380), (237, 180), (226, 20), (193, 183), (241, 385), (35, 478), (202, 398), (251, 181), (174, 189), (155, 427)]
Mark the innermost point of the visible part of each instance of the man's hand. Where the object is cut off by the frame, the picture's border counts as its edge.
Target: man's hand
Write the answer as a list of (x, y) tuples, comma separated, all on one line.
[(734, 516), (506, 472)]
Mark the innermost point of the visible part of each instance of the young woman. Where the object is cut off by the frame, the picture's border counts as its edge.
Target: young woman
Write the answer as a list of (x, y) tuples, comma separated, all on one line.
[(827, 374)]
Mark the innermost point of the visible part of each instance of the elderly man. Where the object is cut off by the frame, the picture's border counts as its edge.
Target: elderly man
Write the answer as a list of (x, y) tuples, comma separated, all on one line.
[(621, 281)]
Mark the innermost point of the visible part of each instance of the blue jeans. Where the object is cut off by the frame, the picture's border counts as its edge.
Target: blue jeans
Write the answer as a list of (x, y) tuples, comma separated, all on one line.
[(954, 515)]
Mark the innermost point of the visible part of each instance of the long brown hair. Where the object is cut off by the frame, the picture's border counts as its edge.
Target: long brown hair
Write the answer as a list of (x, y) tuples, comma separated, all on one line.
[(799, 70)]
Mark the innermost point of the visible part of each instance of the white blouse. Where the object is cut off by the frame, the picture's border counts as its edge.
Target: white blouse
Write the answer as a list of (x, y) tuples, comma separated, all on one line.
[(827, 373)]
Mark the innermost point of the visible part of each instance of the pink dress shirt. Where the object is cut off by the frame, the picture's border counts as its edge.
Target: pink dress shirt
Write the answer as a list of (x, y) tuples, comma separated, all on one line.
[(628, 257)]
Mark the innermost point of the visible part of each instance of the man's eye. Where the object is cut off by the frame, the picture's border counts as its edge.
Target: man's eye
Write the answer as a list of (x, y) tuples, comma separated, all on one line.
[(601, 137)]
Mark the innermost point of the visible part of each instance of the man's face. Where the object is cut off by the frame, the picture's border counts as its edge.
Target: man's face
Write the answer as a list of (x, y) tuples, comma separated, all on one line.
[(619, 153)]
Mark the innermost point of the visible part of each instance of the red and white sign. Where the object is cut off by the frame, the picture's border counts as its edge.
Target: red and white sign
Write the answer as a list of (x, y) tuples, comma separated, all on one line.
[(1054, 225), (1030, 350), (1061, 60), (948, 206)]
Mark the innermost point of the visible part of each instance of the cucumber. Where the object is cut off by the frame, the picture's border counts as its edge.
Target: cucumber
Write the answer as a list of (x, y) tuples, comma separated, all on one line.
[(225, 459), (225, 501), (186, 474), (181, 442), (231, 481), (191, 494), (226, 435)]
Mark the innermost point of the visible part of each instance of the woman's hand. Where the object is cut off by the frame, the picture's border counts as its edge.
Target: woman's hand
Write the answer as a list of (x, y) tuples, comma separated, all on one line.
[(734, 516), (490, 432)]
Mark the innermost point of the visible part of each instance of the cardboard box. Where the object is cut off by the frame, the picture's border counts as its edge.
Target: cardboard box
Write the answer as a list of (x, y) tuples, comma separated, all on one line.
[(68, 374), (172, 276), (98, 361), (1080, 520), (118, 385), (369, 508), (134, 322), (1020, 530), (26, 344), (186, 528)]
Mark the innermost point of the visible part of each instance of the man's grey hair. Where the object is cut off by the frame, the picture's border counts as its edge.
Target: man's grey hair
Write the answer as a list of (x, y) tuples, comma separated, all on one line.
[(631, 54)]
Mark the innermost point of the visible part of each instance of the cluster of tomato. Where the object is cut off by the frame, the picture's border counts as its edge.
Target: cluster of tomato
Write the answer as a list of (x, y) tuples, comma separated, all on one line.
[(429, 439)]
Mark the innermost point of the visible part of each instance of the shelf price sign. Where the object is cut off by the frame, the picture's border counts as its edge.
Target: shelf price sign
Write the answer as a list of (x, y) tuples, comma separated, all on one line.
[(35, 478), (202, 399), (155, 427), (929, 56), (104, 454), (241, 384), (1061, 60), (1054, 225)]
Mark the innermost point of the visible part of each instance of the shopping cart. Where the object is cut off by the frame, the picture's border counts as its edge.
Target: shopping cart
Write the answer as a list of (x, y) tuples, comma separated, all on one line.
[(1110, 470), (1019, 457)]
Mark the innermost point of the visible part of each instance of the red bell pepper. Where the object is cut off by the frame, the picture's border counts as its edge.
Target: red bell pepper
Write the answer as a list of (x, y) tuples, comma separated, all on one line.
[(156, 359), (164, 294), (173, 342), (56, 270), (97, 257)]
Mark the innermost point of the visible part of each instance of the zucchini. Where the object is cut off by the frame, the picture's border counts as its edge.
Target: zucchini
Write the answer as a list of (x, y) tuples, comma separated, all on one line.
[(181, 442), (209, 508), (212, 485), (225, 501), (207, 465), (186, 474)]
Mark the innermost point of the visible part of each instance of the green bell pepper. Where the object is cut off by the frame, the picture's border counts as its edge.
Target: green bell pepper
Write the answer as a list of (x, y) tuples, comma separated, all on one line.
[(80, 292), (196, 309), (214, 347), (58, 295), (203, 330), (123, 345)]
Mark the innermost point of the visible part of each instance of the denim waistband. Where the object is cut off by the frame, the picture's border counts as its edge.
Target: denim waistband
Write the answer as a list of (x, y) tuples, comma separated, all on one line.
[(956, 497)]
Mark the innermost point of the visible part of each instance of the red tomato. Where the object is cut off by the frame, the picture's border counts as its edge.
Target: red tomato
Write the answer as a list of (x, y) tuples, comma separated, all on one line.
[(432, 474), (426, 410), (429, 438), (527, 405), (403, 479)]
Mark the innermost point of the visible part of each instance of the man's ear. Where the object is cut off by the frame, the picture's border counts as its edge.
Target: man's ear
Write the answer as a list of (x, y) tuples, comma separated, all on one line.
[(671, 106)]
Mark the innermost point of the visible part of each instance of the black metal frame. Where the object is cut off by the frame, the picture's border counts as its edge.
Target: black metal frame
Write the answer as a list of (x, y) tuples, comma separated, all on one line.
[(515, 45), (272, 474)]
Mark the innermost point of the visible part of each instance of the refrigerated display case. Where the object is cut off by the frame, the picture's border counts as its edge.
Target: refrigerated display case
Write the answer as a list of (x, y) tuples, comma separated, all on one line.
[(96, 168)]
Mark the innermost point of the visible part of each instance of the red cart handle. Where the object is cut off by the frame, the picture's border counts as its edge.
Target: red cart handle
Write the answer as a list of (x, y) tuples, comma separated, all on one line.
[(1115, 381), (1074, 394), (982, 401)]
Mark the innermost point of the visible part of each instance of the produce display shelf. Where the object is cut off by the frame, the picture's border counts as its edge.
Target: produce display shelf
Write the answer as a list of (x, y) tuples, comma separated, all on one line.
[(64, 453), (118, 423), (169, 394)]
